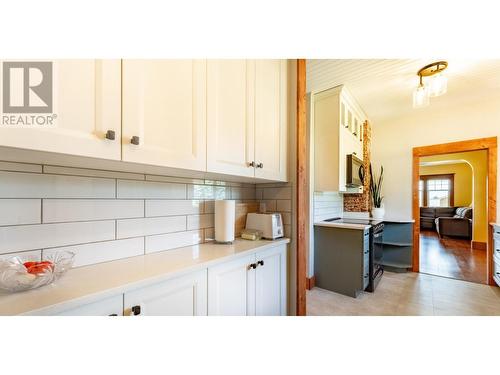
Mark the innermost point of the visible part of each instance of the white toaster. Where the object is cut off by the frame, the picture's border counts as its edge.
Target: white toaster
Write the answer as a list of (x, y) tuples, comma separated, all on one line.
[(271, 225)]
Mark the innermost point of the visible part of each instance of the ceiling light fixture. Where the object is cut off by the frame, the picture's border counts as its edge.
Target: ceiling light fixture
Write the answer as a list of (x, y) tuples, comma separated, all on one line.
[(436, 83)]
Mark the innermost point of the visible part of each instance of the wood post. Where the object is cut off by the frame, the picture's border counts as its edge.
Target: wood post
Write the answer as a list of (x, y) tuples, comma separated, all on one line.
[(302, 197)]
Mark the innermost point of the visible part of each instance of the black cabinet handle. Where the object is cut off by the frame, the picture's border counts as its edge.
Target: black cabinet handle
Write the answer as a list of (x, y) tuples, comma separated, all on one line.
[(113, 315), (260, 263), (252, 266), (111, 135), (136, 310), (135, 140)]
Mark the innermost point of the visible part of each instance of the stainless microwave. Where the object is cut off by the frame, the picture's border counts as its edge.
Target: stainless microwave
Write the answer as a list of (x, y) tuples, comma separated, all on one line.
[(354, 171)]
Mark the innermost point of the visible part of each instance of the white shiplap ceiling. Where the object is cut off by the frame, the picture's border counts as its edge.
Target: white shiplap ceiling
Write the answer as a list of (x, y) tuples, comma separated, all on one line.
[(384, 88)]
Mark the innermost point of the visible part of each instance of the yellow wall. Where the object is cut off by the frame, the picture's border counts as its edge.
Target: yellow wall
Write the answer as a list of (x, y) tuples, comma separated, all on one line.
[(462, 185), (479, 163)]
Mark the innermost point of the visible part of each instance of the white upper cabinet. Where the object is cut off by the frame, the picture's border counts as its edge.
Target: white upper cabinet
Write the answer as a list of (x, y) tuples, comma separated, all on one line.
[(85, 99), (271, 119), (181, 296), (338, 132), (164, 108), (218, 116), (230, 117)]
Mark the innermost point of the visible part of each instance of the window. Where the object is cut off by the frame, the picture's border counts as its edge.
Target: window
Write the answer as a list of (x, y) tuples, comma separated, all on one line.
[(436, 190)]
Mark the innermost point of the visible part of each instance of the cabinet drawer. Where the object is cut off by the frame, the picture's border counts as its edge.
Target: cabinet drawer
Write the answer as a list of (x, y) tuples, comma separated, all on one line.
[(496, 269)]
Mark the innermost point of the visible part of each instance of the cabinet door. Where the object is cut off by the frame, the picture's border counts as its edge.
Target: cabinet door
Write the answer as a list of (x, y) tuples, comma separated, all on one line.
[(230, 116), (271, 119), (182, 296), (270, 282), (108, 306), (86, 104), (231, 288), (164, 105)]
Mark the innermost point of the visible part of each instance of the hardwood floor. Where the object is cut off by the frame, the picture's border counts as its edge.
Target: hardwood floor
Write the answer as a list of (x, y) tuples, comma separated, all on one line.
[(410, 294), (451, 257)]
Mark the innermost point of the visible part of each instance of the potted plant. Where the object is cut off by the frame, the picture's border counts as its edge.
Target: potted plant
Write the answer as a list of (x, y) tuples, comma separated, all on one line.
[(378, 209)]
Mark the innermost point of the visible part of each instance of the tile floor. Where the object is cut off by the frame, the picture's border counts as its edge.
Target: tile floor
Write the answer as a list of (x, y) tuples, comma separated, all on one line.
[(410, 294)]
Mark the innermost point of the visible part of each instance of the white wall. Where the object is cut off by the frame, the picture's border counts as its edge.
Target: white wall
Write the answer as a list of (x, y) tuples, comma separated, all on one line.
[(392, 143)]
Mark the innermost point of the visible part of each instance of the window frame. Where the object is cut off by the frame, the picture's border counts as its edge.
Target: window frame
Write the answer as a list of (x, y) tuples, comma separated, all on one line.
[(449, 176)]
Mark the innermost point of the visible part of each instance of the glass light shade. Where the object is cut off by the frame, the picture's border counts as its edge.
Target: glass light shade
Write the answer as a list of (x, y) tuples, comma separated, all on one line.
[(420, 97), (438, 84)]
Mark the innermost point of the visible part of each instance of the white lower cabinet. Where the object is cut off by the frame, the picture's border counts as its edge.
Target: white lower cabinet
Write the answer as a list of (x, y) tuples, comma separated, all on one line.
[(270, 282), (250, 285), (110, 306), (231, 287), (182, 296), (253, 285)]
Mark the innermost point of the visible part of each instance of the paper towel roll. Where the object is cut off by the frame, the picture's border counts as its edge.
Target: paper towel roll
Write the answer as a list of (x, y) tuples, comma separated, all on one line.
[(224, 220)]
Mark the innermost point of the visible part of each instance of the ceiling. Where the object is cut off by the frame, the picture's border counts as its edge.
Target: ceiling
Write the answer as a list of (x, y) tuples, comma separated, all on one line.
[(384, 88)]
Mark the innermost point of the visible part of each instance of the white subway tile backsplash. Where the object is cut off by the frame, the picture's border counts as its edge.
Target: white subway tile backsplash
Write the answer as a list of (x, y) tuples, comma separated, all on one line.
[(173, 207), (284, 205), (99, 252), (208, 192), (150, 226), (20, 167), (106, 215), (91, 172), (20, 211), (270, 205), (200, 221), (278, 193), (29, 237), (173, 240), (209, 234), (62, 210), (26, 256), (242, 193), (209, 207), (33, 185), (150, 190), (287, 218)]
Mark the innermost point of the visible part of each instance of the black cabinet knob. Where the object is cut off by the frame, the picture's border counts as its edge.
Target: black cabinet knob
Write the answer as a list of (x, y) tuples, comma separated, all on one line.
[(251, 164), (111, 135), (252, 266), (136, 310), (260, 165), (135, 140), (260, 263)]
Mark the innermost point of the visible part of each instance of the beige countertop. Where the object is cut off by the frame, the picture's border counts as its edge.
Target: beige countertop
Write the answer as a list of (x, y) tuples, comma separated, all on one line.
[(91, 283)]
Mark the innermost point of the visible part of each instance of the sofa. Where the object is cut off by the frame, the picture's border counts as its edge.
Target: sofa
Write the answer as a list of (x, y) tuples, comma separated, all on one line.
[(447, 221)]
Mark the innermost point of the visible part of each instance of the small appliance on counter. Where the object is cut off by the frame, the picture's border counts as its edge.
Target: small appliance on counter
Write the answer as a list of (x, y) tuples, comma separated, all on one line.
[(271, 225), (224, 221)]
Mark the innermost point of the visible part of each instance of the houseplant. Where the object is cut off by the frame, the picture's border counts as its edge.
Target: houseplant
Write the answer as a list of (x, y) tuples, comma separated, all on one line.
[(378, 210)]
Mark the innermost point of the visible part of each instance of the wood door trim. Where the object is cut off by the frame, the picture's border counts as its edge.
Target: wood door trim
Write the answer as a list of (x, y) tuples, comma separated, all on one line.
[(302, 181), (488, 144)]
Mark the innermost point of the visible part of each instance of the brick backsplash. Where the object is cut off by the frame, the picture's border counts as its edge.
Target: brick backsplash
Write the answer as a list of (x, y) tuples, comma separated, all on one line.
[(105, 215)]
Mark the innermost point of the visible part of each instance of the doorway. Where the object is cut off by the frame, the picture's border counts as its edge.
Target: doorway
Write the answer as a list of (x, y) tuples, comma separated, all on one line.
[(454, 200)]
